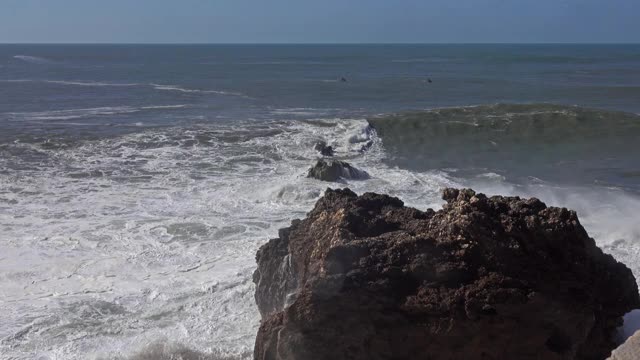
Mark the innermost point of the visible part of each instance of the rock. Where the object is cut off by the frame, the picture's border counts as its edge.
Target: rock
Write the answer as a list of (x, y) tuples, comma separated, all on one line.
[(364, 277), (335, 170), (366, 146), (324, 149), (630, 350)]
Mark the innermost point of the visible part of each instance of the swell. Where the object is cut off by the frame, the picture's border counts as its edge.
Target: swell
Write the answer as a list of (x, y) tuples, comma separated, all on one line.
[(154, 86), (70, 114), (533, 140), (33, 59)]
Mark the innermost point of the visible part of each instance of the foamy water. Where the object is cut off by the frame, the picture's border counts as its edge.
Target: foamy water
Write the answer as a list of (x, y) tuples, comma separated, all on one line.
[(114, 246), (118, 243)]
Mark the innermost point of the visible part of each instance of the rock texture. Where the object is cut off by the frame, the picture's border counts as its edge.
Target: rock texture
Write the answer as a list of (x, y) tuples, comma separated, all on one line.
[(364, 277), (336, 170), (630, 350), (324, 149)]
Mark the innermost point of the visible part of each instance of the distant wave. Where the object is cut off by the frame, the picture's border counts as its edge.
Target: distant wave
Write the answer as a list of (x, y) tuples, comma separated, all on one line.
[(514, 136), (545, 122), (85, 113), (161, 87), (302, 111), (195, 91), (410, 60), (422, 60), (284, 63), (88, 83), (70, 82), (33, 59)]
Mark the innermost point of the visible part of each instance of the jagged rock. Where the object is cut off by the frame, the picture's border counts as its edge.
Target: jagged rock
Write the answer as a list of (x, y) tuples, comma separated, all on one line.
[(335, 170), (324, 149), (364, 277), (630, 350)]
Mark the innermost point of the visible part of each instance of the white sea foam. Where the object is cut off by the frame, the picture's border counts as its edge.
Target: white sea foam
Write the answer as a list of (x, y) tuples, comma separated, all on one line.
[(422, 60), (89, 83), (33, 59), (71, 82), (119, 243), (194, 91), (300, 111), (70, 114), (115, 246)]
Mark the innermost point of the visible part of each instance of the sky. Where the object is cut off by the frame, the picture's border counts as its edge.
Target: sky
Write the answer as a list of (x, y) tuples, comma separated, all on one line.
[(319, 21)]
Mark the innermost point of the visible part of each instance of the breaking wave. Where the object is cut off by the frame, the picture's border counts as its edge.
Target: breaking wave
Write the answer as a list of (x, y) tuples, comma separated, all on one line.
[(163, 225), (161, 87), (85, 113), (33, 59), (197, 91), (89, 83), (556, 141)]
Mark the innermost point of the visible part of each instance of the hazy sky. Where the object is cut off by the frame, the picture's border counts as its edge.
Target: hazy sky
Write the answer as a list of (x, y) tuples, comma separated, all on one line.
[(327, 21)]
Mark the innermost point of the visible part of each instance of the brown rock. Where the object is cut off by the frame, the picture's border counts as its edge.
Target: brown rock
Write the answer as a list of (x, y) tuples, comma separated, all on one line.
[(363, 277), (335, 170)]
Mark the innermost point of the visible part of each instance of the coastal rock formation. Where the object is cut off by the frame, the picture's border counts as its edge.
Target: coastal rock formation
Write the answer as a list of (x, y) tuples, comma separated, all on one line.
[(324, 149), (335, 170), (366, 146), (364, 277)]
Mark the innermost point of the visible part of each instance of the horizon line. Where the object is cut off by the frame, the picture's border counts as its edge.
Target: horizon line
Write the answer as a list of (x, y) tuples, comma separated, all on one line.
[(320, 43)]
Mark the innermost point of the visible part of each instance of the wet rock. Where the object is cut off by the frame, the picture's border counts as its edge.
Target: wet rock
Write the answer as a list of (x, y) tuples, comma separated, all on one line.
[(364, 277), (366, 146), (336, 170), (324, 149)]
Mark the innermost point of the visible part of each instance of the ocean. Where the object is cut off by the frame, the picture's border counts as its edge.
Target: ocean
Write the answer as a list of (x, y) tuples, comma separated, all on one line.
[(138, 181)]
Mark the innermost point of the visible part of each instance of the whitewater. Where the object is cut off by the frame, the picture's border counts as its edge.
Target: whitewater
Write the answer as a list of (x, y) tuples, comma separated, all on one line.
[(150, 237)]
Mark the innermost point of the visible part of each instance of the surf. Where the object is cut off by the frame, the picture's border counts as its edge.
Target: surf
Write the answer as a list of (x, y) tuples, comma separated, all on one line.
[(33, 59)]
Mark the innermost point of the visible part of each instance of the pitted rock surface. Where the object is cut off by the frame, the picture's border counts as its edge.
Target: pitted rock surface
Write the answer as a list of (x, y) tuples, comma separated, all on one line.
[(364, 277)]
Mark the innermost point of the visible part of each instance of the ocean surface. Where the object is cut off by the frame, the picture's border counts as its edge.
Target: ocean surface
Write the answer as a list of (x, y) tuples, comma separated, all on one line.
[(138, 181)]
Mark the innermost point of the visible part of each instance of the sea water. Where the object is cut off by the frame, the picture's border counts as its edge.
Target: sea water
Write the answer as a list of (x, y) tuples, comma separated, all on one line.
[(138, 181)]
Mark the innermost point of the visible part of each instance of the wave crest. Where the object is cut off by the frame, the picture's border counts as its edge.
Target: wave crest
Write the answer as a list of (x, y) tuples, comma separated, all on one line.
[(563, 142), (86, 113), (33, 59)]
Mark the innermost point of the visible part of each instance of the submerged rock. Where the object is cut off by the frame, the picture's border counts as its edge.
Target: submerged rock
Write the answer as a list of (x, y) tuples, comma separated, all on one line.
[(324, 149), (335, 170), (364, 277)]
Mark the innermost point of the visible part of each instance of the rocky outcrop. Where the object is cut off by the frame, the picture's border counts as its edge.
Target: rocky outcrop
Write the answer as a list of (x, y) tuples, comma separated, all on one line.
[(364, 277), (336, 170), (324, 149), (366, 146)]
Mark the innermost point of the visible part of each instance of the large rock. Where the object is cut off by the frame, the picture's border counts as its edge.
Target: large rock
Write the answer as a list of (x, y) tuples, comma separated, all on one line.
[(336, 170), (363, 277), (324, 149)]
